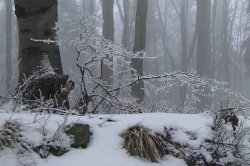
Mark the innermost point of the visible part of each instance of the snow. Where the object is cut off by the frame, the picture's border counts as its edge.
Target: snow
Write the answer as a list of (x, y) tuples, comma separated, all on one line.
[(105, 148)]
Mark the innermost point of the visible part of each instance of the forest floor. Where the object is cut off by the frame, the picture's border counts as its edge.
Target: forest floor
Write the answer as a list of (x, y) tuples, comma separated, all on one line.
[(105, 147)]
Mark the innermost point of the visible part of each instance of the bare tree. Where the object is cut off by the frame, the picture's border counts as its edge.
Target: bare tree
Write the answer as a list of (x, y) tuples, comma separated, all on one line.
[(184, 47), (137, 89), (91, 13), (8, 15), (89, 7), (204, 55), (126, 30), (108, 33), (246, 43), (127, 16), (225, 42), (163, 31)]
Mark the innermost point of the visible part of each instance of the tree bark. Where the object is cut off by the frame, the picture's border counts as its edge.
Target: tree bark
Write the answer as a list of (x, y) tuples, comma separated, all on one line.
[(204, 55), (137, 89), (8, 65), (164, 38), (225, 43), (126, 31), (36, 20), (92, 13), (184, 53), (108, 33), (246, 44)]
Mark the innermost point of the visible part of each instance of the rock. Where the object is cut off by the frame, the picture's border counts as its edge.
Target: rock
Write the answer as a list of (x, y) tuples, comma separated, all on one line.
[(80, 134)]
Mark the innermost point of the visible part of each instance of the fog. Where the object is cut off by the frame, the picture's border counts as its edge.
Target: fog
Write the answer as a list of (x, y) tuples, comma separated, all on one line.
[(172, 38)]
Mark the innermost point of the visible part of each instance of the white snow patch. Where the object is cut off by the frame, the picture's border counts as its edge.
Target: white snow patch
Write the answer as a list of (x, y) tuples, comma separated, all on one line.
[(105, 148)]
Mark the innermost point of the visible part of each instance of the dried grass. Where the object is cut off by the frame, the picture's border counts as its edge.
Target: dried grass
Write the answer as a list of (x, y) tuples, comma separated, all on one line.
[(9, 134), (140, 141)]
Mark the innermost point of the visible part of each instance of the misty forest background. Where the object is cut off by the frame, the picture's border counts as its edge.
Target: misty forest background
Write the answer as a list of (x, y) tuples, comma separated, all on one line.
[(207, 37)]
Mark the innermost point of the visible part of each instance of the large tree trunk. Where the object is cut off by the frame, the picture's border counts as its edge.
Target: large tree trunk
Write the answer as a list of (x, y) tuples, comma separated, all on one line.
[(40, 62), (204, 55), (36, 20), (139, 45), (8, 16), (108, 33)]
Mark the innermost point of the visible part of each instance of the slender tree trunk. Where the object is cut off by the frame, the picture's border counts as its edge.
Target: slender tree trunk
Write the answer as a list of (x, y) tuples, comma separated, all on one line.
[(108, 33), (125, 34), (85, 8), (36, 20), (92, 13), (2, 33), (152, 65), (8, 65), (184, 53), (204, 55), (125, 19), (214, 42), (225, 44), (164, 38), (237, 73), (88, 8), (230, 36), (108, 19), (139, 45), (247, 43)]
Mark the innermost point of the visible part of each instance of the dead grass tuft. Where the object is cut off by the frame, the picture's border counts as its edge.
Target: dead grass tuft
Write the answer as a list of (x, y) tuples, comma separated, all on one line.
[(140, 141)]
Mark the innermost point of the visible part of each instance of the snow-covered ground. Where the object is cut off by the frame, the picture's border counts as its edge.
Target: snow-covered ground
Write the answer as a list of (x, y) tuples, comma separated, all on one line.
[(105, 148)]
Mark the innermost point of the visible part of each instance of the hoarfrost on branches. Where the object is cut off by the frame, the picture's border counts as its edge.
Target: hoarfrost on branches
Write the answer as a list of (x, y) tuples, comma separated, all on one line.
[(93, 51)]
